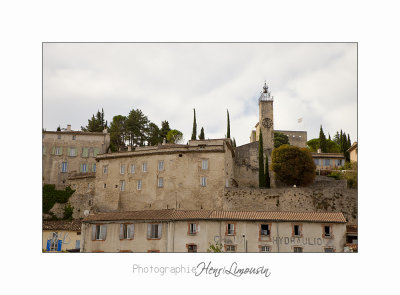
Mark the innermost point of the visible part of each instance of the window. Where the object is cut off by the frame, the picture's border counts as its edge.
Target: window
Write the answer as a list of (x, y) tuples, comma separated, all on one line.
[(154, 231), (73, 137), (59, 136), (230, 229), (327, 162), (99, 232), (105, 185), (160, 182), (298, 250), (204, 164), (192, 248), (64, 167), (105, 169), (192, 228), (132, 168), (160, 165), (122, 170), (139, 184), (126, 231), (316, 161), (85, 152), (83, 168), (203, 181), (144, 167), (265, 249), (265, 230), (329, 250), (122, 185), (72, 152), (94, 168), (77, 244), (230, 248), (296, 230), (327, 232), (95, 152), (58, 151)]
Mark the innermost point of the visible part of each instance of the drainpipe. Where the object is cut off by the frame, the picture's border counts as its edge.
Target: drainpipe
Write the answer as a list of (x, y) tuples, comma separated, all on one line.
[(277, 232), (173, 239)]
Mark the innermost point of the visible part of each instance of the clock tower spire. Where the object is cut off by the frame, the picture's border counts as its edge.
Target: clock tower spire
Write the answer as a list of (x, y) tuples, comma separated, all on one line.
[(266, 119)]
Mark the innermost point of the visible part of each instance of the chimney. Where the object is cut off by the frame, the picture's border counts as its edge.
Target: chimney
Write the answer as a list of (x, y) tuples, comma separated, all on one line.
[(319, 151), (69, 127)]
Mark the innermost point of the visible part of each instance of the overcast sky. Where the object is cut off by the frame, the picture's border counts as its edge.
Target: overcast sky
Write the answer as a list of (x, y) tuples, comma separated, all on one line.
[(313, 81)]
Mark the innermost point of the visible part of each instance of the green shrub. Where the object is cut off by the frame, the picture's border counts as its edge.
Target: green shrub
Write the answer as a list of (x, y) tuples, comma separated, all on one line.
[(68, 211), (335, 174), (293, 165), (52, 196)]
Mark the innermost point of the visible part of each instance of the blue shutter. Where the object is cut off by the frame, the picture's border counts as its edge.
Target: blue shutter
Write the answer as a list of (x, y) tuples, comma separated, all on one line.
[(59, 244), (48, 245)]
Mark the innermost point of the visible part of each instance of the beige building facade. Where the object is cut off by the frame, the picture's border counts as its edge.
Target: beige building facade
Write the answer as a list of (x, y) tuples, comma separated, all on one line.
[(66, 153), (61, 236), (328, 161), (353, 151), (169, 176), (194, 231)]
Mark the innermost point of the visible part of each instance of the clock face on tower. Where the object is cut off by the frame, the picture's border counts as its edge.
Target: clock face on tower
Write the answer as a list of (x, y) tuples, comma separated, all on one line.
[(267, 122)]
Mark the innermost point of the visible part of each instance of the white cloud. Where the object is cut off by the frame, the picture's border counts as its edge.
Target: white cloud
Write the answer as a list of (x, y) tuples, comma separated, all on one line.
[(167, 80)]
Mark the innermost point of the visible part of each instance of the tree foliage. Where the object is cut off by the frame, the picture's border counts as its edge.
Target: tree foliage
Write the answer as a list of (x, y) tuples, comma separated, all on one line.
[(174, 136), (201, 136), (117, 133), (68, 211), (331, 146), (280, 139), (96, 123), (194, 131), (215, 248), (261, 175), (137, 128), (267, 178), (293, 165), (164, 130), (322, 140), (52, 196), (228, 131)]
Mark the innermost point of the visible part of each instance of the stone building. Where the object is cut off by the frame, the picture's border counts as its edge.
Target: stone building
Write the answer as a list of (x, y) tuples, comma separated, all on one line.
[(191, 176), (326, 162), (67, 153), (353, 151), (194, 231), (246, 157)]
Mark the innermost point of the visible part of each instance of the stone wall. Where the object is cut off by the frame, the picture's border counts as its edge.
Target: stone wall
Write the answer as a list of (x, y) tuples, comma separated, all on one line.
[(296, 138), (323, 199)]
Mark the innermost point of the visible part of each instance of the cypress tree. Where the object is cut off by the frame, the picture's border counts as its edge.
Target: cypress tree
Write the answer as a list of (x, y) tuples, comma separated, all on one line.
[(58, 128), (234, 142), (267, 178), (261, 175), (322, 140), (194, 132), (228, 132), (201, 136)]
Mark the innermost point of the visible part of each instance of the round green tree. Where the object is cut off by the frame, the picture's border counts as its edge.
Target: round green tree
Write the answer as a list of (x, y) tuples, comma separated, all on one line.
[(293, 165)]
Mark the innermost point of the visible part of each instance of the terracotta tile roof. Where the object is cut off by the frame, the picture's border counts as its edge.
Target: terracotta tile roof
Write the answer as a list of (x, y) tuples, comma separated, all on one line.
[(172, 214), (74, 225)]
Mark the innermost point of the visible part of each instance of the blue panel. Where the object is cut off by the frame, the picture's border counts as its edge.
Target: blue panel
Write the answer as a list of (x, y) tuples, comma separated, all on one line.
[(59, 245), (48, 245)]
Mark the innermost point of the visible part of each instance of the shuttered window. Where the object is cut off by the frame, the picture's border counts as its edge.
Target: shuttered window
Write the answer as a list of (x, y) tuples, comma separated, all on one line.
[(64, 167), (154, 231), (122, 170), (72, 152), (126, 231), (58, 151), (94, 168), (204, 164), (99, 232), (95, 152), (132, 168), (83, 168), (85, 152), (327, 162)]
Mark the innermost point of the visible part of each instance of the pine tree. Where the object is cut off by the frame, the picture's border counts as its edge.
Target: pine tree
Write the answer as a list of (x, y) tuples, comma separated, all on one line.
[(228, 132), (329, 137), (322, 140), (201, 136), (261, 175), (194, 132), (58, 128), (267, 178)]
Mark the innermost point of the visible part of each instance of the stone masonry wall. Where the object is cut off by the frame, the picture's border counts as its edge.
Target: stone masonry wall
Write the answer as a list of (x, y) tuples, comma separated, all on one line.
[(323, 199)]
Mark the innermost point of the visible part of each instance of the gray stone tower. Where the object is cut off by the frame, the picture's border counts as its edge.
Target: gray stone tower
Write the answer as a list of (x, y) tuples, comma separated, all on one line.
[(266, 119)]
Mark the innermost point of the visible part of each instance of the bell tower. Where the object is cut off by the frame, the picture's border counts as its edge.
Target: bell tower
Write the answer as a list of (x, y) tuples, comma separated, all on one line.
[(266, 119)]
